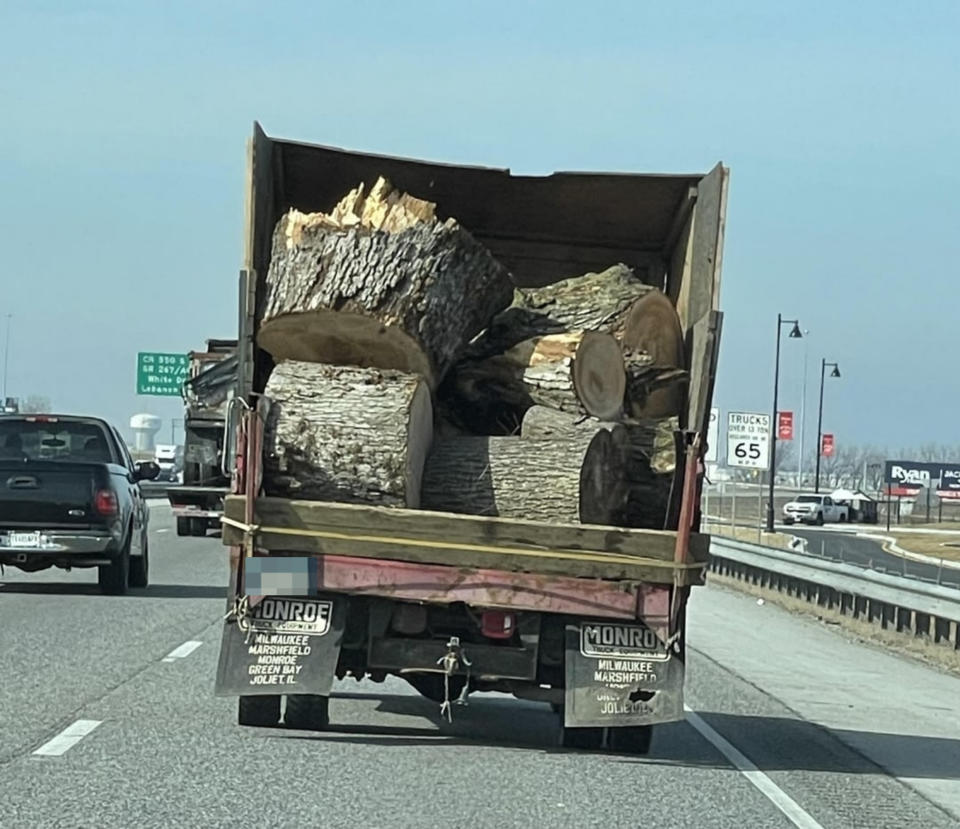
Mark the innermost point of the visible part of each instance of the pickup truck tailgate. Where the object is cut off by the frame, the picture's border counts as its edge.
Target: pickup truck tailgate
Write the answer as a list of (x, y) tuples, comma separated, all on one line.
[(47, 495)]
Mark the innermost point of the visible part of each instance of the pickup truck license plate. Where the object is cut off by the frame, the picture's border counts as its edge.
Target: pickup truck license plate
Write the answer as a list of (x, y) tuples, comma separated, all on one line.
[(24, 539)]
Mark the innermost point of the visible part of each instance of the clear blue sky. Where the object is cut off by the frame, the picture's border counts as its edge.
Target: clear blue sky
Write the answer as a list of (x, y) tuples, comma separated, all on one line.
[(122, 156)]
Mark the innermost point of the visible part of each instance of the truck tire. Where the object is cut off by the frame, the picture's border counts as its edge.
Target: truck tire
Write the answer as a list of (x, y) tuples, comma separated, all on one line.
[(198, 527), (183, 526), (113, 578), (631, 739), (307, 712), (585, 739), (140, 568), (260, 711), (819, 519)]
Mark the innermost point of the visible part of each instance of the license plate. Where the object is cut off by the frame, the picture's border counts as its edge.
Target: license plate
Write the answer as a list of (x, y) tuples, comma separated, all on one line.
[(24, 539)]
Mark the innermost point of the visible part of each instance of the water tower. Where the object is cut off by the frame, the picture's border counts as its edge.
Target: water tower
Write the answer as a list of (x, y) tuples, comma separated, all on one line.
[(145, 428)]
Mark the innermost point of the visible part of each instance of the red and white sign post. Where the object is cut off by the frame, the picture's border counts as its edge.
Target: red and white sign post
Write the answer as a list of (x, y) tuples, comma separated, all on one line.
[(827, 446), (784, 425)]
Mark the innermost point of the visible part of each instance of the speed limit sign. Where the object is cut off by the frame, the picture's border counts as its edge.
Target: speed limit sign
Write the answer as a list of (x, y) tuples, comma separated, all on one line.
[(748, 440)]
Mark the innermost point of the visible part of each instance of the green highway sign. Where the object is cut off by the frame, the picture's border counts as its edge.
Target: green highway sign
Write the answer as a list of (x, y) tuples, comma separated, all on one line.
[(161, 374)]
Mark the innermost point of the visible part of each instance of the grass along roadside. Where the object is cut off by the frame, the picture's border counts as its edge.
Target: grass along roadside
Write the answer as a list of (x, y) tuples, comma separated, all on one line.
[(929, 544)]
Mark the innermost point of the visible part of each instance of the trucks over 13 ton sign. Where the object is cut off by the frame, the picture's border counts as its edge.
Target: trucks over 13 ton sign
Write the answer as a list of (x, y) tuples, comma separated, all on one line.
[(748, 440)]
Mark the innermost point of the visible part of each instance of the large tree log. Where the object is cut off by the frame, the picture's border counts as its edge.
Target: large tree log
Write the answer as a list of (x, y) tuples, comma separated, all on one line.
[(614, 301), (542, 423), (574, 480), (592, 302), (581, 373), (353, 435), (379, 282)]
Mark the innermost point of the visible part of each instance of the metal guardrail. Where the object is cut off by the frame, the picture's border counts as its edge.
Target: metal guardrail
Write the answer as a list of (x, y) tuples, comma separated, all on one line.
[(906, 606)]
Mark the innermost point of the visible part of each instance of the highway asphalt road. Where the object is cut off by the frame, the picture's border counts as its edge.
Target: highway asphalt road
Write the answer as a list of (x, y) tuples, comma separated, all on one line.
[(865, 552), (109, 720)]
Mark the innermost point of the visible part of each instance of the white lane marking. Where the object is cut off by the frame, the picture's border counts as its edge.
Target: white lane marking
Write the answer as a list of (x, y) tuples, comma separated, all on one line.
[(67, 738), (164, 530), (779, 798), (182, 650)]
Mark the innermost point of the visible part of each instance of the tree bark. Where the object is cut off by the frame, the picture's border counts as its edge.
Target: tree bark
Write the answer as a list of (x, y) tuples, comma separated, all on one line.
[(351, 435), (541, 423), (378, 283), (572, 480), (592, 302), (580, 373)]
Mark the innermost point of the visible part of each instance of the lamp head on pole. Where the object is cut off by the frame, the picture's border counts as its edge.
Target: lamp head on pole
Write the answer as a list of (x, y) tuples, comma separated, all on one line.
[(796, 333), (835, 372)]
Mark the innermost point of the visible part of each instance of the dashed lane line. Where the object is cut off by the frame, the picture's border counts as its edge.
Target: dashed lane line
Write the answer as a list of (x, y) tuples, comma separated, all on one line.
[(67, 738)]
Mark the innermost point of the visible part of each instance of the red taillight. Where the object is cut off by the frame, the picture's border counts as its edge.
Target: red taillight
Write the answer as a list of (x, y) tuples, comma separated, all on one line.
[(105, 502), (497, 624)]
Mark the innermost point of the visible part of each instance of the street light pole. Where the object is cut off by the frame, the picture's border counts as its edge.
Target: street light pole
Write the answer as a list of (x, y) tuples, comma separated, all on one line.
[(803, 409), (794, 333), (823, 372)]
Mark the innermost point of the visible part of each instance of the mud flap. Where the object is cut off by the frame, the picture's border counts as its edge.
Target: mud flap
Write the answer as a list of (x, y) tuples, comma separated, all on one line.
[(284, 645), (620, 675)]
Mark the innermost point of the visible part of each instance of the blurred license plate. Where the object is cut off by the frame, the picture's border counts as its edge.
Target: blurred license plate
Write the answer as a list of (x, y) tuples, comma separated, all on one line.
[(24, 539)]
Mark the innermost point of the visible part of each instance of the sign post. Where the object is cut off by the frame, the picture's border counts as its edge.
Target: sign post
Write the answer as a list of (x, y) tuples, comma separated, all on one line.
[(161, 374)]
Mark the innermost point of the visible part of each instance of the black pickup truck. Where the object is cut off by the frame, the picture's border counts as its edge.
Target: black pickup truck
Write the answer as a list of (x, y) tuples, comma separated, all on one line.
[(70, 497)]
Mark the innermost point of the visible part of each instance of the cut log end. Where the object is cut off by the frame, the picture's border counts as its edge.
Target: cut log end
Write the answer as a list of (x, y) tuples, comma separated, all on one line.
[(599, 376), (341, 338)]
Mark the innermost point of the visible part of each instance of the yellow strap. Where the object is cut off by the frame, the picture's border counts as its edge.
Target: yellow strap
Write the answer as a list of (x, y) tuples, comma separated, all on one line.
[(606, 558)]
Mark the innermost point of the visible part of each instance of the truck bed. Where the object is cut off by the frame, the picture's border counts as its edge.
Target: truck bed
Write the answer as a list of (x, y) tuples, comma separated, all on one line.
[(295, 527)]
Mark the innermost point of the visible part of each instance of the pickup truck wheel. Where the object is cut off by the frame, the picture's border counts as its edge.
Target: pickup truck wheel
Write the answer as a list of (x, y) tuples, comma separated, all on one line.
[(587, 739), (307, 712), (183, 526), (261, 712), (140, 568), (819, 519), (113, 578), (198, 526), (631, 739)]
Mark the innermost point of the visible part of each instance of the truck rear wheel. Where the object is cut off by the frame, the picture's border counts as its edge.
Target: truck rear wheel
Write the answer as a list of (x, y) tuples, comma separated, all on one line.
[(631, 739), (183, 526), (113, 578), (262, 712), (198, 527), (587, 739), (307, 712), (140, 568)]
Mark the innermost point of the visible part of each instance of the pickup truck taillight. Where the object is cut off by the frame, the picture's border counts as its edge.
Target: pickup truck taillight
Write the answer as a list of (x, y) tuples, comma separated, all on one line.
[(105, 502)]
